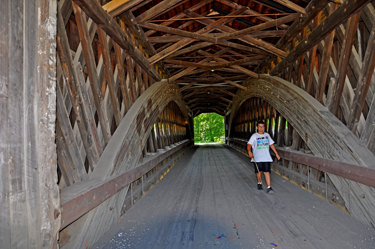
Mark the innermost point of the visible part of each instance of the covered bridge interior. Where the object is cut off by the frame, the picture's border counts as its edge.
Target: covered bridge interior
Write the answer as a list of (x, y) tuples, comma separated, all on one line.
[(98, 100)]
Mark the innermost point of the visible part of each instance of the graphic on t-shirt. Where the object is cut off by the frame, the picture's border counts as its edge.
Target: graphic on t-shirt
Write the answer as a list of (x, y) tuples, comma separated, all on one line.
[(262, 143)]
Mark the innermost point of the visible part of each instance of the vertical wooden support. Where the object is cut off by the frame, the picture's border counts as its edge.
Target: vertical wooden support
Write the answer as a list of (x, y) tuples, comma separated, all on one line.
[(109, 74), (121, 76), (324, 66), (312, 55), (281, 135), (159, 135), (30, 199), (156, 145), (76, 171), (130, 70), (363, 83), (301, 60), (276, 135), (334, 102), (75, 94)]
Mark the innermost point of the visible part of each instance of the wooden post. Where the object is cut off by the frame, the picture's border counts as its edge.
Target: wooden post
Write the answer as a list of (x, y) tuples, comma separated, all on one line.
[(346, 50), (30, 199), (363, 83)]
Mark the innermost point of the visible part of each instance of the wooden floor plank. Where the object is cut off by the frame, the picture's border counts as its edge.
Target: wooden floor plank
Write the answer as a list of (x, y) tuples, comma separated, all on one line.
[(212, 191)]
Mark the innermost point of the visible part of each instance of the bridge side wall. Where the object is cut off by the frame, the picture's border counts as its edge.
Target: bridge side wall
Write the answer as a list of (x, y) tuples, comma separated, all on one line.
[(122, 153), (29, 194), (327, 136)]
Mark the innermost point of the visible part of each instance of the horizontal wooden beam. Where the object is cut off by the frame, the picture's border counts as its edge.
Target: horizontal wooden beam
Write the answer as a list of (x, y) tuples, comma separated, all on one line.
[(265, 25), (179, 32), (187, 86), (156, 10), (75, 202), (188, 63), (112, 29), (270, 48), (342, 13), (227, 92), (292, 6), (176, 38), (249, 11), (117, 7), (213, 66), (236, 84)]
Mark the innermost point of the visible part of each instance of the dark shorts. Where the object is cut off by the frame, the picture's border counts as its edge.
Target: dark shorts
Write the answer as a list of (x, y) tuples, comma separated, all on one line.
[(263, 166)]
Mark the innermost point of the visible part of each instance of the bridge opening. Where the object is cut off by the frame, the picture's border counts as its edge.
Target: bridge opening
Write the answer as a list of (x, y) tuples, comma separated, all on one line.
[(209, 128)]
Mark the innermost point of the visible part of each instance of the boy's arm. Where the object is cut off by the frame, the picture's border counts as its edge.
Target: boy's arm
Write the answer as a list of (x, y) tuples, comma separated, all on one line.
[(249, 151), (274, 150)]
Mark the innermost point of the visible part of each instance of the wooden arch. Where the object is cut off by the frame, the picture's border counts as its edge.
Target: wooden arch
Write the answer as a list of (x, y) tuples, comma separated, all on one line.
[(327, 136), (121, 154)]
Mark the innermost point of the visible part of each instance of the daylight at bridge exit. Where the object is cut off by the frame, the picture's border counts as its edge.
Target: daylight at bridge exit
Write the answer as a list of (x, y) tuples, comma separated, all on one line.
[(171, 124)]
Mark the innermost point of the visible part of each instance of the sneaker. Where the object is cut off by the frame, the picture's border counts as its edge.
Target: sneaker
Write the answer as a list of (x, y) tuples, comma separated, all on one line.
[(260, 187), (270, 191)]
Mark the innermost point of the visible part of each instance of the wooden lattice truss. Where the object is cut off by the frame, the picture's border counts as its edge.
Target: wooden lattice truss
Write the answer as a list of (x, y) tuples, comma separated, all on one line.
[(209, 47)]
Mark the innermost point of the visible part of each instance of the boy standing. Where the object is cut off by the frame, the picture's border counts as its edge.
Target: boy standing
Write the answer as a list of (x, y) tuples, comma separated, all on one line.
[(260, 142)]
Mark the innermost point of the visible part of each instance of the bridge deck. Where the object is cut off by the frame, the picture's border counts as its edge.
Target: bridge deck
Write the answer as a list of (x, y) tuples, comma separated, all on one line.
[(212, 191)]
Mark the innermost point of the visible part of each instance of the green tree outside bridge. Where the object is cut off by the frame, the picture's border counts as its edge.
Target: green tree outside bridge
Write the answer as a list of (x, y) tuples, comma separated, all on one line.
[(208, 128)]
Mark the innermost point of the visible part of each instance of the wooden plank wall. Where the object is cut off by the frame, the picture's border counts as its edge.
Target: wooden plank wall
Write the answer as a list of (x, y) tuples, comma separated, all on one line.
[(29, 194), (95, 92), (123, 152), (339, 70), (98, 86)]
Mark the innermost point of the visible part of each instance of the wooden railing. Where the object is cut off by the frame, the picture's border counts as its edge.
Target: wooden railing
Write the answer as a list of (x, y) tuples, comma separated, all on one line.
[(349, 171), (84, 196)]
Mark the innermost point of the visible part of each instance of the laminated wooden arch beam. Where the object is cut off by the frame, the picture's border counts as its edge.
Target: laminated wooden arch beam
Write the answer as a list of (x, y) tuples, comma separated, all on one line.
[(121, 154), (327, 136)]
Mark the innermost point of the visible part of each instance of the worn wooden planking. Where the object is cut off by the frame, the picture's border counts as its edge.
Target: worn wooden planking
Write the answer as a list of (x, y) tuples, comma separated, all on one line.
[(5, 238), (28, 169), (212, 191), (16, 136)]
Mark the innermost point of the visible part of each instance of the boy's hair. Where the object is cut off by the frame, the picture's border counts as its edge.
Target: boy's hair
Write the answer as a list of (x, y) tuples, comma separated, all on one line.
[(261, 122)]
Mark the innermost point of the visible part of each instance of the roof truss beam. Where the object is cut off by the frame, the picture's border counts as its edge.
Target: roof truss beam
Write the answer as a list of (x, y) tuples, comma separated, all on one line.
[(112, 29)]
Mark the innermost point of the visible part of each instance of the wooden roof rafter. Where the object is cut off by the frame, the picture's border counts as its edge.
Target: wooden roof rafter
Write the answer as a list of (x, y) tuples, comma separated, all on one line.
[(207, 43)]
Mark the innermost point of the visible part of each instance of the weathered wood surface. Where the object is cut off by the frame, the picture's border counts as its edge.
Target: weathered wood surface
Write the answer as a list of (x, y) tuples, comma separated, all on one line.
[(122, 153), (81, 198), (327, 136), (101, 18), (212, 191), (29, 194), (343, 12)]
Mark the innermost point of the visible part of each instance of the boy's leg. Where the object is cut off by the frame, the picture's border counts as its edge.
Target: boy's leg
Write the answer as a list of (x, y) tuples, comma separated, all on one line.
[(267, 176), (259, 177)]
